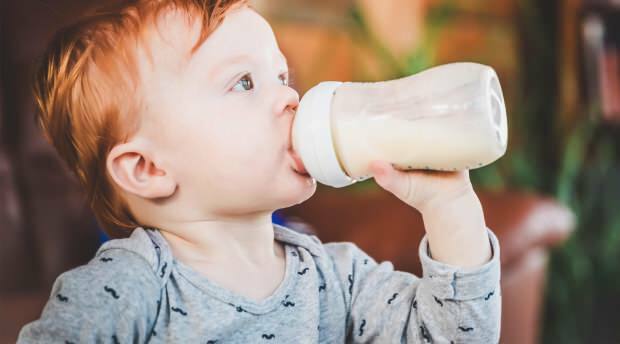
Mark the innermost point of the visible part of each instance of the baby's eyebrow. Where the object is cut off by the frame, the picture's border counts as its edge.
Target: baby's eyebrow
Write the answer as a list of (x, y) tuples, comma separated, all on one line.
[(282, 57), (240, 59), (218, 68)]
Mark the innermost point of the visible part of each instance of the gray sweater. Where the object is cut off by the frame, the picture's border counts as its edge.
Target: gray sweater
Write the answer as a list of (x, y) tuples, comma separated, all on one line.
[(134, 291)]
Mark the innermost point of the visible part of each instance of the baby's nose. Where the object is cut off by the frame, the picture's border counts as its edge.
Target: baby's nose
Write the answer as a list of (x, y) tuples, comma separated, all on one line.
[(287, 101)]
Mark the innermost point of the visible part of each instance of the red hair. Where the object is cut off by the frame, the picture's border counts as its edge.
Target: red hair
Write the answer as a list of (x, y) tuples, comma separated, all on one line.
[(85, 90)]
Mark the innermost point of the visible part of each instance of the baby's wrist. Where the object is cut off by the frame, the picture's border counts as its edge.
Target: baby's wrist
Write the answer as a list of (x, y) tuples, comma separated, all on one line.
[(457, 231), (442, 204), (463, 211)]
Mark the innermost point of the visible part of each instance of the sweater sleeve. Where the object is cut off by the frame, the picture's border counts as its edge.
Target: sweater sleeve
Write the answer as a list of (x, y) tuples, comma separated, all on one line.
[(112, 299), (447, 304)]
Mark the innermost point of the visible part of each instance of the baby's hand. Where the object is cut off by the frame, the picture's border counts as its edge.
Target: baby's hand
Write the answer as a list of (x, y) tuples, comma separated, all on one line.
[(423, 190), (452, 213)]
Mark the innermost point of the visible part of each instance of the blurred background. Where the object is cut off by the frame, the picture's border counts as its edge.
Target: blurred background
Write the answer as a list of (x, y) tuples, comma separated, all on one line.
[(553, 199)]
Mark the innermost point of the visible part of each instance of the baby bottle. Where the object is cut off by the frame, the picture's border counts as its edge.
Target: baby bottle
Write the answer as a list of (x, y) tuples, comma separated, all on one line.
[(447, 118)]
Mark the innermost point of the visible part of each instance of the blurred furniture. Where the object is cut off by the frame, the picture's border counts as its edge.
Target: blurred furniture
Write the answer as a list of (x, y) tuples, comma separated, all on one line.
[(46, 227), (527, 226), (45, 224)]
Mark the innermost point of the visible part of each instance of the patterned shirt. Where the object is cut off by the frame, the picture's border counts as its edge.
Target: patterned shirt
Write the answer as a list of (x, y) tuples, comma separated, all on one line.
[(135, 291)]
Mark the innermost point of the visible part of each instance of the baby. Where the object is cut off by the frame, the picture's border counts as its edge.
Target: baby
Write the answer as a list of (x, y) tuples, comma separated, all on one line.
[(175, 115)]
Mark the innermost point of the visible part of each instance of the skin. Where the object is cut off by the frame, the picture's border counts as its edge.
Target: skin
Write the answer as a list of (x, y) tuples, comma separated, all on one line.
[(211, 159)]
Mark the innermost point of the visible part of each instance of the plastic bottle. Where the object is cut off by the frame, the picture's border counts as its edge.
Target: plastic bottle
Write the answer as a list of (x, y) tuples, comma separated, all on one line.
[(447, 118)]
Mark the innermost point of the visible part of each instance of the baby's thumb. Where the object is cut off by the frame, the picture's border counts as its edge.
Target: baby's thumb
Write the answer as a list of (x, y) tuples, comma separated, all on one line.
[(392, 180)]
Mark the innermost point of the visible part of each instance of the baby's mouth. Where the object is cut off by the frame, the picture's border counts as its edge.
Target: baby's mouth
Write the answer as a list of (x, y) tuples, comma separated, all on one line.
[(298, 163)]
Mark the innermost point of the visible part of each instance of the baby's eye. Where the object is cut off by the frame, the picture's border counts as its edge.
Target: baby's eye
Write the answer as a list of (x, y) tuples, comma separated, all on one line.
[(284, 78), (244, 84)]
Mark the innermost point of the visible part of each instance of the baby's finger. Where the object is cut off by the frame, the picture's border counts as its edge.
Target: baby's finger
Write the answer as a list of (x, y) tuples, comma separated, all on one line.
[(391, 179)]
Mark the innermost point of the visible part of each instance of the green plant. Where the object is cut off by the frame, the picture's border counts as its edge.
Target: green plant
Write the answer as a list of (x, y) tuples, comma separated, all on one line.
[(584, 276), (580, 168)]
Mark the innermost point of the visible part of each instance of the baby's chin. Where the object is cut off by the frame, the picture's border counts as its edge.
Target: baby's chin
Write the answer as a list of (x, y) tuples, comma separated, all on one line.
[(298, 189)]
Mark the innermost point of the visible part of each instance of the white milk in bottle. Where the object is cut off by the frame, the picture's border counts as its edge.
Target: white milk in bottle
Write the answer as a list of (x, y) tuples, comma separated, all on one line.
[(447, 118)]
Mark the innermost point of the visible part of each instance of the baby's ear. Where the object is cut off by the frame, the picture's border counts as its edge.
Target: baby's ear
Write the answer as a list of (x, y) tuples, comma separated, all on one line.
[(133, 169)]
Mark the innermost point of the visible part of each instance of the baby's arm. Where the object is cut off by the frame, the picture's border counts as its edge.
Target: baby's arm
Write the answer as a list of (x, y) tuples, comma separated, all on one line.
[(458, 298), (447, 305), (113, 299), (453, 217)]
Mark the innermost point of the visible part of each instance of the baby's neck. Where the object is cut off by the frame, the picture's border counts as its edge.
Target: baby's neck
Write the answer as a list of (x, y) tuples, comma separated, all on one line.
[(247, 240), (240, 254)]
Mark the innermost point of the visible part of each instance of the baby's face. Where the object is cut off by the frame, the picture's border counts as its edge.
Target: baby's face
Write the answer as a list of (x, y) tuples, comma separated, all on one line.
[(220, 122)]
